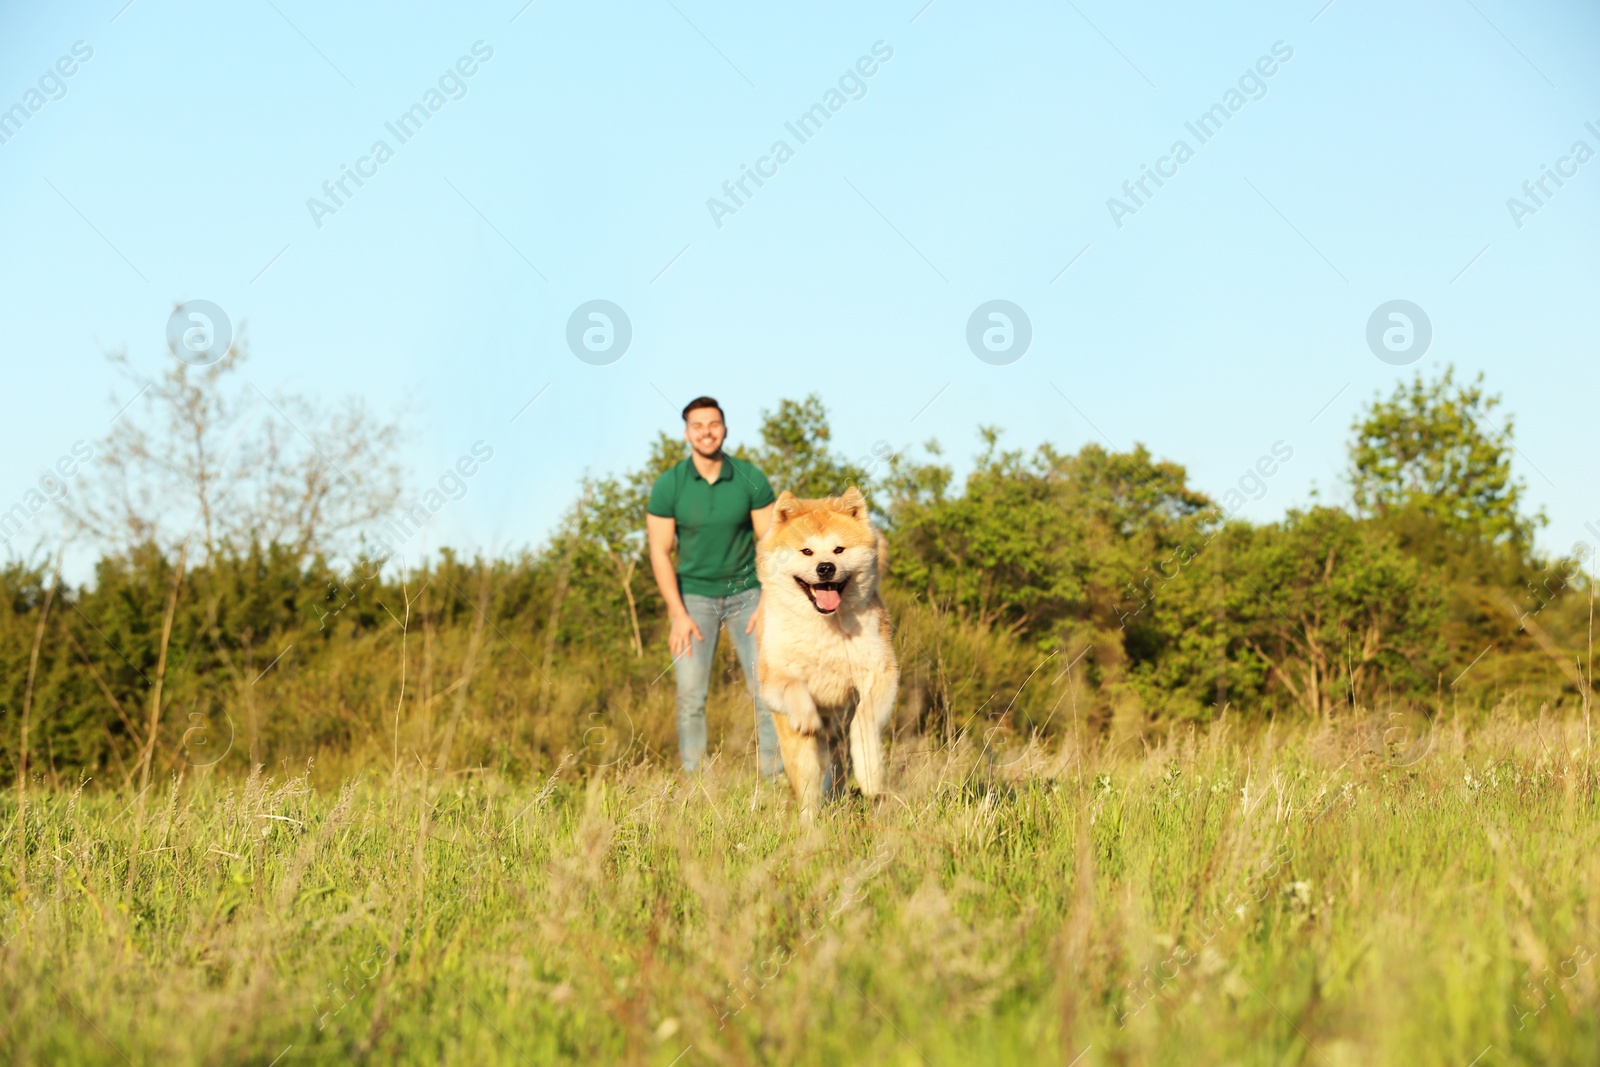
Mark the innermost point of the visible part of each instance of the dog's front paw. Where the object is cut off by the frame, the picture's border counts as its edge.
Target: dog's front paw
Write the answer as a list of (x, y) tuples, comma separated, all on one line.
[(805, 721)]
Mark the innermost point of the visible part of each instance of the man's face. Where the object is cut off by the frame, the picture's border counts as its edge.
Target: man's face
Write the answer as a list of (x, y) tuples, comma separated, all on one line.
[(705, 432)]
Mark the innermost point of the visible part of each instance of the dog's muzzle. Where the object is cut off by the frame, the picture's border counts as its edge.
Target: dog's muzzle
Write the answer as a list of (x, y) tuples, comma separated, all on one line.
[(824, 596)]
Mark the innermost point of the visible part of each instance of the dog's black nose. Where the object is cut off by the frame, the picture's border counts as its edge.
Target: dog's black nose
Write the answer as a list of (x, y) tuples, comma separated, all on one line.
[(825, 572)]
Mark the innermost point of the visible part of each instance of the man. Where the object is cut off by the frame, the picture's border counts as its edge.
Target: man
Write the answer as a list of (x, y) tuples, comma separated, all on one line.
[(716, 506)]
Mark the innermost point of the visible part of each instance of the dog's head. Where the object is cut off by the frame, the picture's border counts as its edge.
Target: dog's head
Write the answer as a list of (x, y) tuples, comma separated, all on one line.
[(819, 555)]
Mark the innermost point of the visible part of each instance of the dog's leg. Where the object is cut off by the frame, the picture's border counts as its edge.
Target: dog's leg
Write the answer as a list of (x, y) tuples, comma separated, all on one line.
[(836, 752), (802, 760), (792, 698), (866, 732)]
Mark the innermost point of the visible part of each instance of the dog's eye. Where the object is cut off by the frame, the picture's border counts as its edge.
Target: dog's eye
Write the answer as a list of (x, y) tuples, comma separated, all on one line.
[(837, 549), (805, 552)]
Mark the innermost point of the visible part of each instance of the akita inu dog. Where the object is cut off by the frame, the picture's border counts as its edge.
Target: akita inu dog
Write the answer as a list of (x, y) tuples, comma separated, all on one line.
[(824, 654)]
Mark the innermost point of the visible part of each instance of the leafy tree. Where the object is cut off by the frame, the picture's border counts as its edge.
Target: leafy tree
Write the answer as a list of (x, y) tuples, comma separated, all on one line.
[(1332, 607), (794, 452), (1430, 450), (1034, 540), (1428, 467), (1043, 557), (1317, 611)]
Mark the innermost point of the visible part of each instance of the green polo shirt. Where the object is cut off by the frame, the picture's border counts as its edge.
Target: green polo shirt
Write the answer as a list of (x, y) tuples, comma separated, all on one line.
[(716, 543)]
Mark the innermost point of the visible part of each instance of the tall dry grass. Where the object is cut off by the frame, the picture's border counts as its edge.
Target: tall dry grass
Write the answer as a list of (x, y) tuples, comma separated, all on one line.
[(1367, 891)]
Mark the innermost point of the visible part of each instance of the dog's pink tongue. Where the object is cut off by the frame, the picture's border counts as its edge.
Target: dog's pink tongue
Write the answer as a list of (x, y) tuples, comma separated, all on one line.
[(827, 599)]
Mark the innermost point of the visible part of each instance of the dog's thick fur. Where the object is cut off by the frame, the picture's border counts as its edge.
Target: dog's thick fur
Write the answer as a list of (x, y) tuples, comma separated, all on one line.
[(825, 655)]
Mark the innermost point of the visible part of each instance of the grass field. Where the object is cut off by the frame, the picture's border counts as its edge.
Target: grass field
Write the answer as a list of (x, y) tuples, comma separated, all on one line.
[(1353, 893)]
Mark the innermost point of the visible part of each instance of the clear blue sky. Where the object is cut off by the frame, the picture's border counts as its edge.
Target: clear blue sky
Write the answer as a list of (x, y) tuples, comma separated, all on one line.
[(1221, 316)]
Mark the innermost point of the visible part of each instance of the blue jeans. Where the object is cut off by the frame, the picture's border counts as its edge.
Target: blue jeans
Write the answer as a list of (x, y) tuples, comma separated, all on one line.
[(693, 673)]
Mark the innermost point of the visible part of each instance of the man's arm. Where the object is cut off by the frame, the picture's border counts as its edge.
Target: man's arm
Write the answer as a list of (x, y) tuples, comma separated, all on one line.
[(662, 531), (760, 519)]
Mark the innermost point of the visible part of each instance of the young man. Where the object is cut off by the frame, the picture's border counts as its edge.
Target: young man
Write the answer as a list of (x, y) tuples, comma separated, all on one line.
[(716, 506)]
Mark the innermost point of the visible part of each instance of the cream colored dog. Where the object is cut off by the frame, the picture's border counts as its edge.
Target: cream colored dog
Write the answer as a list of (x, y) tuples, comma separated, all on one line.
[(825, 658)]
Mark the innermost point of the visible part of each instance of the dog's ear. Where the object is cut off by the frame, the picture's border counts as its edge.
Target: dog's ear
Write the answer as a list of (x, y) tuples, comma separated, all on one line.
[(785, 509), (853, 503)]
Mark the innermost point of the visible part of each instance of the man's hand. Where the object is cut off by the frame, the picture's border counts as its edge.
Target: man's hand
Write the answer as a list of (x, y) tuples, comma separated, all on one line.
[(756, 614), (683, 632), (661, 533)]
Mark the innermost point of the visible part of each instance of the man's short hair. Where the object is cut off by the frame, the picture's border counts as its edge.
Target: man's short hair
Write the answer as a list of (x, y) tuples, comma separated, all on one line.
[(701, 402)]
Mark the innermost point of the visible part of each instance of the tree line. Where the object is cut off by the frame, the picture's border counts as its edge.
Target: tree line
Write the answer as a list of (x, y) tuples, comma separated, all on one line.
[(236, 610)]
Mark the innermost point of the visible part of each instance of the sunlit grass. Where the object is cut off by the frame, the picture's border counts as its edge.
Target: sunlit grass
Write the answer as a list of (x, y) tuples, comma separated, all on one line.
[(1306, 895)]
